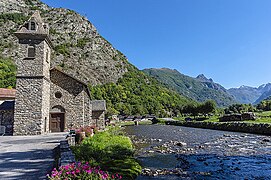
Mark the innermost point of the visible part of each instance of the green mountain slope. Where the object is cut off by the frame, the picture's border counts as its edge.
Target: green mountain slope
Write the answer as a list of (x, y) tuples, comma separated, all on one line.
[(199, 89), (81, 52), (136, 93)]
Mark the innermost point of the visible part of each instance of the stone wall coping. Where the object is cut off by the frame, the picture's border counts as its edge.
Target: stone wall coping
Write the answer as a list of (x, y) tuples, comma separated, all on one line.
[(66, 154)]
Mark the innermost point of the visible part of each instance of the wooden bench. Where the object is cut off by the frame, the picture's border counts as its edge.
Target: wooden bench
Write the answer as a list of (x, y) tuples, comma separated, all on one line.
[(2, 130)]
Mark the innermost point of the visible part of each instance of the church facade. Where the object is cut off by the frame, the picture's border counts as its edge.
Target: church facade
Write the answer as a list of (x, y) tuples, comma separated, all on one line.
[(47, 99)]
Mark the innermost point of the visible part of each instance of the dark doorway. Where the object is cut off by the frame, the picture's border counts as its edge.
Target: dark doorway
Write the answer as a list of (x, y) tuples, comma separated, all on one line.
[(57, 122)]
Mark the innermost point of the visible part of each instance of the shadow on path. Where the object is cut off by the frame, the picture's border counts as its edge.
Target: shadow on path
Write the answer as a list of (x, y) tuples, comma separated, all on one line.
[(27, 157)]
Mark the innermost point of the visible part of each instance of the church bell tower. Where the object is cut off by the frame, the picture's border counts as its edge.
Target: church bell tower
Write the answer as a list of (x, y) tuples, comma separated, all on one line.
[(32, 103)]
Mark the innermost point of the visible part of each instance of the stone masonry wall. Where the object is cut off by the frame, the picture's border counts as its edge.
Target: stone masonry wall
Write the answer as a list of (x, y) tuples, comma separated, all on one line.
[(33, 89), (33, 67), (98, 118), (45, 106), (74, 99), (28, 116)]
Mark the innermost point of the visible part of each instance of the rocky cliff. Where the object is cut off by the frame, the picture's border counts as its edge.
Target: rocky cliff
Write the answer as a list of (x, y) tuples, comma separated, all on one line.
[(78, 48)]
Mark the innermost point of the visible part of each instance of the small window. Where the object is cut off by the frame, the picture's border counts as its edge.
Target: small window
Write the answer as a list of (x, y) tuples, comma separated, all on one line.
[(32, 26), (47, 56), (31, 51), (58, 95)]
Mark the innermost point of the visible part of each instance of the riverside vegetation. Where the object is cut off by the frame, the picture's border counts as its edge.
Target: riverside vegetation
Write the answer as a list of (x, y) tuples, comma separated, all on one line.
[(111, 151)]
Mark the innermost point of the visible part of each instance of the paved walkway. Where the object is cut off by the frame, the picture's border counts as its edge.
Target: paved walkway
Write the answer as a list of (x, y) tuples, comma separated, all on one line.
[(27, 157)]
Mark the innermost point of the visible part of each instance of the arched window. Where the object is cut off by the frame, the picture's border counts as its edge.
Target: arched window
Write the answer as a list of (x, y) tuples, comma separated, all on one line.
[(31, 51), (32, 26)]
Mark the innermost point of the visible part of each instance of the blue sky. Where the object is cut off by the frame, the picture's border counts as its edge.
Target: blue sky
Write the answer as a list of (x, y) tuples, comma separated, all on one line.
[(226, 40)]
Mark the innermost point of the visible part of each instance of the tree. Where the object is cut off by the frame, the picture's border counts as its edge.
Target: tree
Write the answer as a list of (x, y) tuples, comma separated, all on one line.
[(7, 73), (208, 107)]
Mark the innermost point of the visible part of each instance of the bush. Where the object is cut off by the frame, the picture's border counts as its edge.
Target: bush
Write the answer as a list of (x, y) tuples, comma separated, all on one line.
[(110, 150), (105, 146), (15, 17)]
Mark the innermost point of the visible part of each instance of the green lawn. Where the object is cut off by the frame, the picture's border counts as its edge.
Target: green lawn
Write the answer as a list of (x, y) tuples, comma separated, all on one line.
[(258, 120), (264, 113)]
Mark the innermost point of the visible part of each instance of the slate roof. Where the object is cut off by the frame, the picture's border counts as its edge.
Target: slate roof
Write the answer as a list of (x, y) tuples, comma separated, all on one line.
[(7, 93), (98, 105), (7, 105)]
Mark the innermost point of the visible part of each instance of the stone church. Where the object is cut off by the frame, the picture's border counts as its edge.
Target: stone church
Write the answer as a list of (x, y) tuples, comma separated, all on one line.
[(47, 99)]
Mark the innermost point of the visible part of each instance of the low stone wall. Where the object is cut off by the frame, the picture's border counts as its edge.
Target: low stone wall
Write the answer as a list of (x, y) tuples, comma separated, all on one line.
[(66, 155), (261, 128)]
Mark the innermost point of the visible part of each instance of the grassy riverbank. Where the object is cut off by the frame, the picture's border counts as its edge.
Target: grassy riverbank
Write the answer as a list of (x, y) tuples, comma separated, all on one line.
[(262, 117), (110, 150), (246, 127)]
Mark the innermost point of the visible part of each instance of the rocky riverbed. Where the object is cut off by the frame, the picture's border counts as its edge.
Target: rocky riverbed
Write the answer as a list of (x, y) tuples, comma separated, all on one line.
[(173, 152)]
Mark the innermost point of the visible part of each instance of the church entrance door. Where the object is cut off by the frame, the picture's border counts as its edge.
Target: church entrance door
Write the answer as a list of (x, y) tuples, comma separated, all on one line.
[(57, 122)]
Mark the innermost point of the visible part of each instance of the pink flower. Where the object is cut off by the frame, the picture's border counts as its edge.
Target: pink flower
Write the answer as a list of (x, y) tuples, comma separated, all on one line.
[(89, 171), (85, 167)]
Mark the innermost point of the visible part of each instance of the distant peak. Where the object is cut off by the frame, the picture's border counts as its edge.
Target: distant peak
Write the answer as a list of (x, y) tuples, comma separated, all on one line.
[(201, 77)]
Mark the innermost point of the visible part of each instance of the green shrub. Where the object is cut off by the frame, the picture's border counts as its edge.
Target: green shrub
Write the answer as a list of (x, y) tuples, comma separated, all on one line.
[(15, 17), (82, 42), (7, 73), (110, 150), (105, 146), (63, 49)]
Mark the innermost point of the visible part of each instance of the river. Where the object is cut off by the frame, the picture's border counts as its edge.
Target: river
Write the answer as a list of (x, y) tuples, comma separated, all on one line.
[(175, 152)]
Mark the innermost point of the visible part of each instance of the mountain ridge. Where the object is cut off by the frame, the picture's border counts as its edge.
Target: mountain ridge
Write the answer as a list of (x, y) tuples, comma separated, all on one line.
[(199, 88), (251, 95)]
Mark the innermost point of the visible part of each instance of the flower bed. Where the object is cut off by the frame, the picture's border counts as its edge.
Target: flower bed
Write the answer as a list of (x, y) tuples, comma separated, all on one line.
[(82, 171)]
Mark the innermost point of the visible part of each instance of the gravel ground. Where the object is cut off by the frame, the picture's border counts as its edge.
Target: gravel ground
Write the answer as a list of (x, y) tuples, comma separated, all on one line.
[(27, 157)]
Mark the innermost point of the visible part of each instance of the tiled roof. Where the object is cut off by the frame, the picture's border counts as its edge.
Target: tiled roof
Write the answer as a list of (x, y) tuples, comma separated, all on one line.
[(7, 93)]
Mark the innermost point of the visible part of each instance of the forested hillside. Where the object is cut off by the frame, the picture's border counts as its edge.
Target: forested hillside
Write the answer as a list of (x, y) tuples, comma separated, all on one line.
[(139, 94)]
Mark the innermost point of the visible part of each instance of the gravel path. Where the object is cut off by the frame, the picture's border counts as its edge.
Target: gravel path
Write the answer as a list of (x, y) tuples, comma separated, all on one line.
[(27, 157)]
